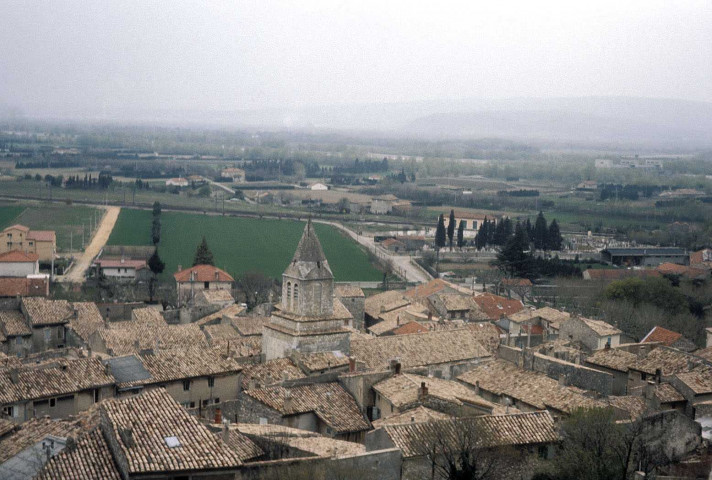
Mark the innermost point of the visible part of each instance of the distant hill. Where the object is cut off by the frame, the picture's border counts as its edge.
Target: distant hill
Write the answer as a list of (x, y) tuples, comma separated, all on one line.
[(611, 120)]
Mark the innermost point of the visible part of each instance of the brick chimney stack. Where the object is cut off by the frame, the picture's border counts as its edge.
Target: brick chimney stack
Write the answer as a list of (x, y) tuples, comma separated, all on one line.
[(352, 364), (218, 416), (423, 392)]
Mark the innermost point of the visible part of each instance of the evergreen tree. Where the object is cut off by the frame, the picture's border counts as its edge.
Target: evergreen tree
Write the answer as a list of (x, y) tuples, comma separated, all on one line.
[(541, 232), (513, 260), (156, 265), (451, 228), (156, 207), (440, 235), (528, 229), (554, 238), (481, 237), (461, 234), (156, 230), (203, 255), (491, 225)]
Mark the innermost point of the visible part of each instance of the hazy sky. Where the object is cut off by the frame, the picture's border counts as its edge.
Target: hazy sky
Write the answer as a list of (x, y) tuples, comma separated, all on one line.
[(99, 56)]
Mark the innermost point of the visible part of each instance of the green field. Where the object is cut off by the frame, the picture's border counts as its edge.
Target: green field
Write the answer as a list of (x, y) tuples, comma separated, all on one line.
[(240, 245), (65, 220)]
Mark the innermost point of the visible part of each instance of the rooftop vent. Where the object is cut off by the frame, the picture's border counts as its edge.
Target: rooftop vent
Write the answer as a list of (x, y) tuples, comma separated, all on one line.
[(172, 442)]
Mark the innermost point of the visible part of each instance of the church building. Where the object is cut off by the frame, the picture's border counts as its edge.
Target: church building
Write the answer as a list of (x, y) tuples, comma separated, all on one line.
[(309, 318)]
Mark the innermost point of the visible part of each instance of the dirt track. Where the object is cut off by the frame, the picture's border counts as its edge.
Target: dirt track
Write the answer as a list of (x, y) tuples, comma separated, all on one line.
[(78, 270)]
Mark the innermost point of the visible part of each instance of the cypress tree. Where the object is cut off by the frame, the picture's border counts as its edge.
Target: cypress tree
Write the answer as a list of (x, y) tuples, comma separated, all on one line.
[(461, 234), (451, 228), (554, 237), (541, 232), (440, 235)]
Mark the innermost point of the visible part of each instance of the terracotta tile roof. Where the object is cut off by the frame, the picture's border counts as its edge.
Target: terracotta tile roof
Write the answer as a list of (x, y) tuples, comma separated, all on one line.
[(615, 274), (495, 307), (402, 390), (600, 327), (214, 296), (513, 429), (23, 287), (110, 263), (203, 273), (16, 256), (418, 414), (329, 401), (634, 406), (487, 334), (87, 321), (683, 270), (47, 312), (536, 389), (230, 311), (668, 360), (705, 353), (17, 226), (173, 365), (6, 426), (384, 302), (318, 361), (33, 431), (419, 349), (42, 236), (613, 358), (220, 334), (410, 327), (153, 418), (666, 393), (345, 290), (456, 301), (662, 335), (433, 286), (245, 448), (245, 347), (248, 326), (302, 440), (53, 378), (13, 324), (699, 379), (518, 282), (148, 329), (89, 460), (270, 372)]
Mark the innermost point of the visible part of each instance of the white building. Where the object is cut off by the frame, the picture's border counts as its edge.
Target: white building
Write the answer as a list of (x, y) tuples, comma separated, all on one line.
[(19, 264), (122, 269), (177, 182), (318, 186)]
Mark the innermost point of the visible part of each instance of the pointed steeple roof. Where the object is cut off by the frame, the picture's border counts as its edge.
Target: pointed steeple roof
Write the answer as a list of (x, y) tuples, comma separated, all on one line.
[(309, 260), (309, 248)]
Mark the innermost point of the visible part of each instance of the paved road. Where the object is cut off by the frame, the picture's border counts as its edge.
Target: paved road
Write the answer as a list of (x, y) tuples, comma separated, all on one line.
[(401, 263), (220, 186), (82, 264)]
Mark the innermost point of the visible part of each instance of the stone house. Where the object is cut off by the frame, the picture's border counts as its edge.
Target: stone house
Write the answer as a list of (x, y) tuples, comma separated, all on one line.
[(668, 338), (48, 320), (123, 270), (661, 364), (193, 377), (15, 334), (696, 386), (177, 182), (615, 361), (594, 334), (325, 408), (200, 277), (57, 388), (42, 243), (236, 175), (404, 391), (472, 222), (528, 437), (31, 286), (383, 204), (454, 306), (495, 307), (393, 245), (354, 300)]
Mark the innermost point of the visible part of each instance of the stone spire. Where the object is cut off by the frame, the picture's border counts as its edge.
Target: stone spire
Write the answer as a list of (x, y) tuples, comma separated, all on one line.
[(309, 261)]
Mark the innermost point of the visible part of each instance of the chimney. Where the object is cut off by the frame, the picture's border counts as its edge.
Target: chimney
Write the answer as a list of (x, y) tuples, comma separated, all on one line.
[(383, 309), (607, 346), (477, 387), (218, 416), (107, 368), (659, 374), (137, 345), (423, 392), (562, 380), (251, 384), (398, 321), (217, 275), (397, 368), (89, 352), (412, 419), (180, 268), (225, 432), (430, 316), (352, 364), (288, 402), (14, 376)]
